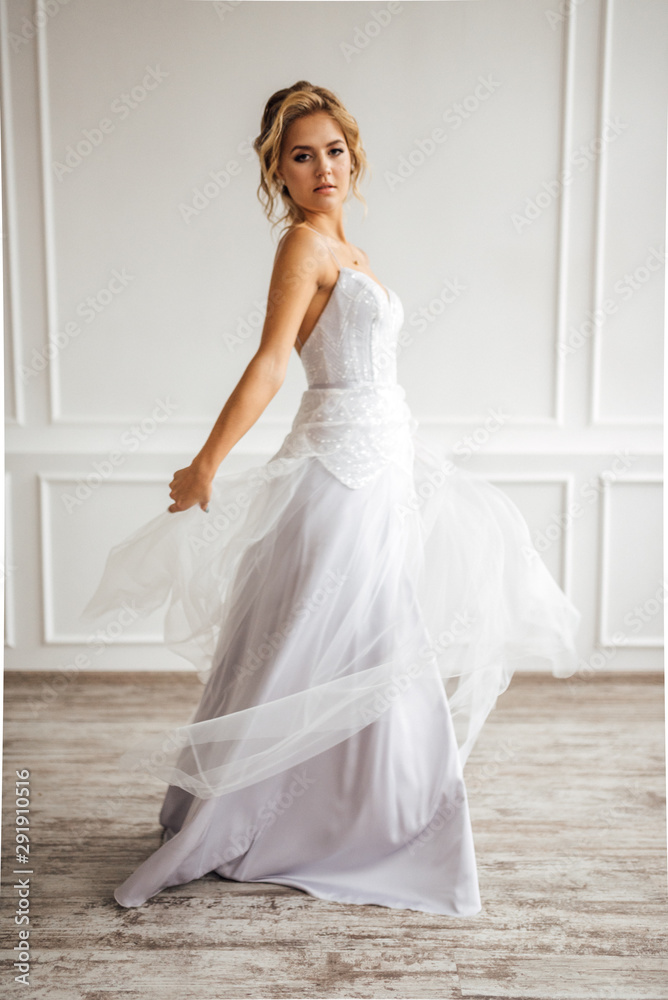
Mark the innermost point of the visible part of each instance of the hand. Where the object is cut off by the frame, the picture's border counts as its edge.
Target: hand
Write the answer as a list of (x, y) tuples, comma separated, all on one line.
[(190, 486)]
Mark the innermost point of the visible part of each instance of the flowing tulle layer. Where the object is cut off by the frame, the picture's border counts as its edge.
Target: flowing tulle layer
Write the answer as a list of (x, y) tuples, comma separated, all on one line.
[(309, 608)]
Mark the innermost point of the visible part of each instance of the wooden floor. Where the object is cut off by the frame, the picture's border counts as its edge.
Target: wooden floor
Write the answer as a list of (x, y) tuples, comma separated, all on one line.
[(567, 795)]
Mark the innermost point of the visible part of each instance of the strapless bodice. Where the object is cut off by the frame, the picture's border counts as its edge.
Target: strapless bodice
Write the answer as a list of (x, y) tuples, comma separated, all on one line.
[(353, 415), (355, 337)]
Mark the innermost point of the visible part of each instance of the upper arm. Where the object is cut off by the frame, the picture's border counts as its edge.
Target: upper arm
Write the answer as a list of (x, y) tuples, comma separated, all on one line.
[(298, 271)]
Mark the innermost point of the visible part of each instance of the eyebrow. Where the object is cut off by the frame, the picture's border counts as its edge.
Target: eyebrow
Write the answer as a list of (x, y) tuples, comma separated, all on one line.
[(332, 143)]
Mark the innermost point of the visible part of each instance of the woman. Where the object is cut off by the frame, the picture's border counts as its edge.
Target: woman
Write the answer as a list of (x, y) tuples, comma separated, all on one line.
[(354, 607)]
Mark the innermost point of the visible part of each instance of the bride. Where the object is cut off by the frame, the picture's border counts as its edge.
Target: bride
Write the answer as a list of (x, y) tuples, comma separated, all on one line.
[(353, 607)]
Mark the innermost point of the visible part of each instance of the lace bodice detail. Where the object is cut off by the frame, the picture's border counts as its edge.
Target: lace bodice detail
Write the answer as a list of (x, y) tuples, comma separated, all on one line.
[(355, 337), (353, 416)]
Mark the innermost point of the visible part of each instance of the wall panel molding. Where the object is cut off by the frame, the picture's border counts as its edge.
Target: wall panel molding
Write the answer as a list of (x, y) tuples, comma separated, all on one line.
[(12, 286), (604, 634), (602, 169)]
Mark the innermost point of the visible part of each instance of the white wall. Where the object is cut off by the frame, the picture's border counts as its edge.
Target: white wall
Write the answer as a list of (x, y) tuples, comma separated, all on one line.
[(481, 210)]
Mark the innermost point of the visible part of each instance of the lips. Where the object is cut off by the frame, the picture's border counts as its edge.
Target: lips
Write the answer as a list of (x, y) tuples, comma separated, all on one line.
[(325, 187)]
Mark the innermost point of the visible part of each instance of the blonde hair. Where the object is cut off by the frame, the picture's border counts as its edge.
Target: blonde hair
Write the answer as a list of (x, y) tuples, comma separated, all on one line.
[(281, 110)]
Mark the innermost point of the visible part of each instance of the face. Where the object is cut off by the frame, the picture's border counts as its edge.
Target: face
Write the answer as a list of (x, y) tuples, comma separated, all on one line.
[(315, 153)]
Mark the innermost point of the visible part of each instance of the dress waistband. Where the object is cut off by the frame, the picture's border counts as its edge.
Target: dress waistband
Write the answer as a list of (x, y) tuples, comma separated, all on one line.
[(385, 387)]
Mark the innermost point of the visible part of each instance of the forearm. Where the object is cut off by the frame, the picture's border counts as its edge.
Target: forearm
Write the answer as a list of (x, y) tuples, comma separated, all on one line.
[(256, 388)]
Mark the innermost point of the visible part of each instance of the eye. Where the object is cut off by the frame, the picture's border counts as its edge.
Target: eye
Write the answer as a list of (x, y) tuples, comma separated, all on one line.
[(298, 157)]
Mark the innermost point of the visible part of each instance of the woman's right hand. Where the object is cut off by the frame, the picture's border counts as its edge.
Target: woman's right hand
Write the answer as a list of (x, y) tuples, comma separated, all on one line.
[(190, 486)]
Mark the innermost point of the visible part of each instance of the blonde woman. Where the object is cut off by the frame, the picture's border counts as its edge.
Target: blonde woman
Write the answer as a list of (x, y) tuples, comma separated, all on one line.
[(354, 606)]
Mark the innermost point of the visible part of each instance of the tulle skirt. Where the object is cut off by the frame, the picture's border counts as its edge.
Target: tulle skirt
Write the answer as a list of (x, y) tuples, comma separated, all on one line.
[(356, 639)]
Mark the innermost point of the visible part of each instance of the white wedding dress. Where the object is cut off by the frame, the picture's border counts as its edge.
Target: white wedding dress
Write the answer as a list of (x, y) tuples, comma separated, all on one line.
[(354, 607)]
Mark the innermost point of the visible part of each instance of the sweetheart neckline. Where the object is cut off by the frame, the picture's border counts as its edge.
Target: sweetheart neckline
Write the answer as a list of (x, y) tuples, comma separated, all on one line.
[(386, 293)]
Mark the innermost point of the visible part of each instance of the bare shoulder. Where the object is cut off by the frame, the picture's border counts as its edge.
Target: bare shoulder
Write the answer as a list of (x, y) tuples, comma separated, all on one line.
[(296, 277), (301, 252)]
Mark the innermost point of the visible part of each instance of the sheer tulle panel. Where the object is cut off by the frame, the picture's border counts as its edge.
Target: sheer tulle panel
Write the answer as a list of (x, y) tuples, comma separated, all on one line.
[(305, 664), (308, 607)]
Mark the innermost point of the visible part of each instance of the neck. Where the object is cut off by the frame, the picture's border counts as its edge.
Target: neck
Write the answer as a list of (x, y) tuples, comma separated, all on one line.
[(333, 230)]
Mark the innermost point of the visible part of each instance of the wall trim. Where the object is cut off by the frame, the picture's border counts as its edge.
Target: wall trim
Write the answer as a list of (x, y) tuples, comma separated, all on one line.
[(596, 419), (51, 636), (603, 636), (11, 248)]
